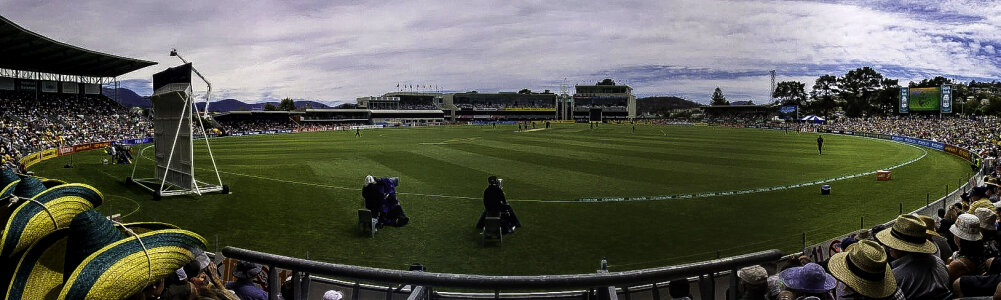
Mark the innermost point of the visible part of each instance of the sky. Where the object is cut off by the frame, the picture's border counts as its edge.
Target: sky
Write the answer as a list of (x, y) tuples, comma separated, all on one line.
[(259, 50)]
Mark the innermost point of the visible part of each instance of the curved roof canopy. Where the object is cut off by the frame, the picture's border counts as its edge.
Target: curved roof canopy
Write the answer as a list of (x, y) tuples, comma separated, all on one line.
[(24, 50)]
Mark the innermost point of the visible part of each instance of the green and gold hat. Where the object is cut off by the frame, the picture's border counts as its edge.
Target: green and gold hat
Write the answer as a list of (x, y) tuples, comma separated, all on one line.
[(106, 261), (44, 213)]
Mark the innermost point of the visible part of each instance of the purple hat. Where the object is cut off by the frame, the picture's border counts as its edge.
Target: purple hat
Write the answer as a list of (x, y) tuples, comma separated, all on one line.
[(810, 278)]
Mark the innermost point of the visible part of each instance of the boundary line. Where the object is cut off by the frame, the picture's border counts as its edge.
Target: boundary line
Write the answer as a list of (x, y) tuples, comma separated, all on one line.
[(758, 190)]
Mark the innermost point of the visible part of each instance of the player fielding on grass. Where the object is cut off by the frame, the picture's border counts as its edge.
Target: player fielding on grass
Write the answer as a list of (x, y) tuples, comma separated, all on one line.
[(820, 145)]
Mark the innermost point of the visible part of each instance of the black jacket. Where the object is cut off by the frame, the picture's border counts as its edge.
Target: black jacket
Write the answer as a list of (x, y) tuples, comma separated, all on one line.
[(493, 199)]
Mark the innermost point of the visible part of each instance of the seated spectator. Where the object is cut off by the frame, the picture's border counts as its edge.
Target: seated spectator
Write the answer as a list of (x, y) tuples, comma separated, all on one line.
[(244, 287), (679, 290), (774, 283), (969, 258), (391, 211), (989, 229), (978, 199), (753, 283), (332, 295), (863, 272), (372, 193), (942, 245), (919, 273), (810, 280)]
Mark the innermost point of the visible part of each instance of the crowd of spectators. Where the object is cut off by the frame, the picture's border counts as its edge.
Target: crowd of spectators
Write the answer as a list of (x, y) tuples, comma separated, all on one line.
[(980, 134), (489, 106), (31, 121), (234, 126), (953, 256)]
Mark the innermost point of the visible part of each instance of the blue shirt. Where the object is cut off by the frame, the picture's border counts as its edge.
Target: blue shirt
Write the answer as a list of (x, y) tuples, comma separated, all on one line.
[(247, 290)]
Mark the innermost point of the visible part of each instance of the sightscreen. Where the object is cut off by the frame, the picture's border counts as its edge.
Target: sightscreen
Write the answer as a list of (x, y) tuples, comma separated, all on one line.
[(924, 99), (172, 123)]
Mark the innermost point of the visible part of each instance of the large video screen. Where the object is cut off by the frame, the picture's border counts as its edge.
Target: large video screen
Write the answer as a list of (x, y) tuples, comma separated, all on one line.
[(924, 99)]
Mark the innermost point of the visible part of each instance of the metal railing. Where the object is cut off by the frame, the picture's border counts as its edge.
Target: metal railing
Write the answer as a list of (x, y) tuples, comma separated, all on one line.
[(422, 285)]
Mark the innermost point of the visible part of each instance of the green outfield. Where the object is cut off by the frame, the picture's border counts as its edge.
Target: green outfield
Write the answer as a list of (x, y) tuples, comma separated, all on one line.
[(295, 194)]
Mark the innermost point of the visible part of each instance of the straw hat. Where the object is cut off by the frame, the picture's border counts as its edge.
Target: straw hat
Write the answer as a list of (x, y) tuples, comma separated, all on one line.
[(112, 264), (864, 268), (907, 234), (7, 176), (988, 219), (44, 213), (967, 227), (809, 278), (754, 275), (993, 181), (28, 187), (929, 225)]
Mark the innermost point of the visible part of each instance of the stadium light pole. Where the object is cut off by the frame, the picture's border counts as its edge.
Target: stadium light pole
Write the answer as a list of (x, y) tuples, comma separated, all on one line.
[(208, 92)]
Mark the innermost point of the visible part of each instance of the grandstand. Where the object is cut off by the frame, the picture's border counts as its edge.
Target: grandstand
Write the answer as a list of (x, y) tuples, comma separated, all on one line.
[(604, 101), (50, 94), (503, 106)]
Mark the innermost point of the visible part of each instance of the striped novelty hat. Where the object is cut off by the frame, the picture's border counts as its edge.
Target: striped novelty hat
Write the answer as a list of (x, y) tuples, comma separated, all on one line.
[(22, 188), (106, 261), (7, 177), (44, 213)]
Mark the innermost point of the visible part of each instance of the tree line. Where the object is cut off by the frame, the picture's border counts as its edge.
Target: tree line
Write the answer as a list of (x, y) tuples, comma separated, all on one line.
[(866, 92)]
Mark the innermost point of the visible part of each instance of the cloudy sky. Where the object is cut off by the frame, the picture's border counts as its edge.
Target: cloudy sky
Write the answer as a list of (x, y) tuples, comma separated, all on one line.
[(339, 50)]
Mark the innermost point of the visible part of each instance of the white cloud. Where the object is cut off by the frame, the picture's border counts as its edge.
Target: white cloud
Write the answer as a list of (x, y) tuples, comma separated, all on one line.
[(339, 51)]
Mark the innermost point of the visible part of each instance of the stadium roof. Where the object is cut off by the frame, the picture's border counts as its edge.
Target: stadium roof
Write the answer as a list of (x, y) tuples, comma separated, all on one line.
[(24, 50)]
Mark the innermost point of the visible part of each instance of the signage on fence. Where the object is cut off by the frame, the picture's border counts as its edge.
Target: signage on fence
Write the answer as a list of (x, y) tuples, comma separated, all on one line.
[(919, 142), (90, 146), (65, 150), (48, 154), (133, 142)]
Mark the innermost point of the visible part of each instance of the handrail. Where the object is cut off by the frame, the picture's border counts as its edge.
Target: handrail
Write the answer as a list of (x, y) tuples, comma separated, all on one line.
[(544, 282)]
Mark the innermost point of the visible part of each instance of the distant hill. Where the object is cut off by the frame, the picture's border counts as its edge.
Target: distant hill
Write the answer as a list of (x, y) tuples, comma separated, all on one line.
[(233, 104), (658, 105), (127, 97)]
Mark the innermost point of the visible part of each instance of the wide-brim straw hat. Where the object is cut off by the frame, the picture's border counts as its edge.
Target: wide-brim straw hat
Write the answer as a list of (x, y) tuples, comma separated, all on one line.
[(864, 268), (45, 272), (908, 234), (7, 176), (993, 181), (929, 225), (967, 227), (44, 213), (26, 188)]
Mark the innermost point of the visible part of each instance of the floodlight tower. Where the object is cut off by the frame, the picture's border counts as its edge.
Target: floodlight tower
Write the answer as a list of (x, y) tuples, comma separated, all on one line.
[(771, 92)]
